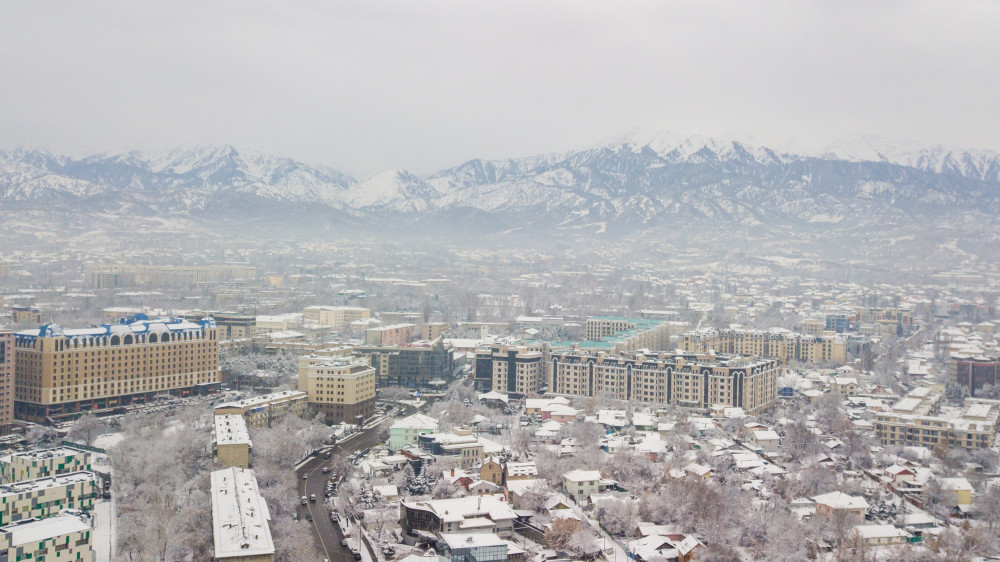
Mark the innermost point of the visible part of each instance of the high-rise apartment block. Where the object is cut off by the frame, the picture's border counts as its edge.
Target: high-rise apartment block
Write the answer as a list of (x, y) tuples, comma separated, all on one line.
[(782, 345), (63, 372), (514, 370), (683, 379)]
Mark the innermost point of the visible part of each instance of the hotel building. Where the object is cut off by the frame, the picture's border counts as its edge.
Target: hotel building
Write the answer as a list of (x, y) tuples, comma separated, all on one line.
[(63, 372)]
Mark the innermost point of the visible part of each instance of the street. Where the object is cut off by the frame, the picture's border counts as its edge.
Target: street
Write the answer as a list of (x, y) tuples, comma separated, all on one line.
[(326, 533)]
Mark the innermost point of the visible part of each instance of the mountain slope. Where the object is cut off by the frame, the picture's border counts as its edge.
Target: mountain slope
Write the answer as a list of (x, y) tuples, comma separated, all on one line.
[(661, 182)]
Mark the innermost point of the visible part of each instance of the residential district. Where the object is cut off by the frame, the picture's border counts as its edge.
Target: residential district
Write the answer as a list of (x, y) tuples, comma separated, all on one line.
[(245, 407)]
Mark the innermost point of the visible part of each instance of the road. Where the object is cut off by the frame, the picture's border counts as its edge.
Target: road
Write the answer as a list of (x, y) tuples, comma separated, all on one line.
[(326, 533)]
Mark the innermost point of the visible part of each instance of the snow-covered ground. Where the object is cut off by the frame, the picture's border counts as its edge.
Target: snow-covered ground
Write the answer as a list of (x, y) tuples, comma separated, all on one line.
[(103, 530)]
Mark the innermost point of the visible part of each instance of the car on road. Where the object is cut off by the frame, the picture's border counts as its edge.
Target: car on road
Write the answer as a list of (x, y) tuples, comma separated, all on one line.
[(304, 500), (334, 516), (343, 541), (309, 517), (305, 476), (312, 497), (326, 469), (327, 455)]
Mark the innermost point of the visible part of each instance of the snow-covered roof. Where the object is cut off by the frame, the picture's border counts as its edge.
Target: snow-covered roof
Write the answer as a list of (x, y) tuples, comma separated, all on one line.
[(840, 500), (579, 475), (239, 515)]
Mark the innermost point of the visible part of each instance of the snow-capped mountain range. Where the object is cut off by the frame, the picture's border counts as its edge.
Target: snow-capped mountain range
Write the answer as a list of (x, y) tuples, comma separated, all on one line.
[(655, 181)]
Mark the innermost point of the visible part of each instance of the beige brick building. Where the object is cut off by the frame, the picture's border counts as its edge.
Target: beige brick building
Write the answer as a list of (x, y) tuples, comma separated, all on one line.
[(511, 369), (342, 388), (17, 467), (63, 537), (63, 372), (782, 345), (336, 316), (684, 379), (267, 410), (44, 497), (231, 441)]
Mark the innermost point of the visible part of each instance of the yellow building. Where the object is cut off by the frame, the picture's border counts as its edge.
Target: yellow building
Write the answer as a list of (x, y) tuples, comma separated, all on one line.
[(17, 467), (44, 497), (782, 345), (336, 316), (63, 537), (684, 379), (267, 410), (433, 330), (231, 441), (63, 372), (342, 388), (240, 518)]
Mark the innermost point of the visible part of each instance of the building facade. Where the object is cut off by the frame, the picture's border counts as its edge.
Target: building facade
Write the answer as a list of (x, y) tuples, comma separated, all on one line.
[(63, 372), (684, 379), (44, 497), (269, 409), (7, 365), (341, 388), (976, 372), (514, 370), (414, 365), (116, 276), (59, 538), (336, 316), (974, 428), (782, 345), (231, 441), (17, 467)]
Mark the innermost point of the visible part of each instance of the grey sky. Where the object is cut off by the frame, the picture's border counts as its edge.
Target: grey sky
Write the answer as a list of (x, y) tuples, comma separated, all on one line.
[(369, 86)]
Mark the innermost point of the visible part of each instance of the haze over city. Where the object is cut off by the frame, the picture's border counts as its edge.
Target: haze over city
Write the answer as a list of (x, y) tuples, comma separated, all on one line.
[(503, 282)]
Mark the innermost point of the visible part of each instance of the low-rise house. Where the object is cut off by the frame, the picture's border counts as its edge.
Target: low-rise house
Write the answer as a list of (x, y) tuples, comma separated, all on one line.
[(830, 504), (480, 547), (880, 535), (486, 514), (960, 487), (405, 431), (676, 547), (581, 484), (765, 440)]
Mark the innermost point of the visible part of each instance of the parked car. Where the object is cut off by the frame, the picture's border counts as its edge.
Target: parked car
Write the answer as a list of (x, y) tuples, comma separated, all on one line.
[(309, 517), (304, 500), (312, 497)]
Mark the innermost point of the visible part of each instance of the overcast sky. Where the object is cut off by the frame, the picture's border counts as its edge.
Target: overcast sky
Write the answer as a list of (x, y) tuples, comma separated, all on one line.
[(370, 86)]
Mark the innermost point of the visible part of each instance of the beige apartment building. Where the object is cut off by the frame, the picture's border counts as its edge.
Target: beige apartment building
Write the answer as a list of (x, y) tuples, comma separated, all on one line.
[(63, 372), (911, 422), (44, 497), (17, 467), (684, 379), (342, 388), (7, 365), (511, 369), (116, 276), (231, 441), (60, 538), (267, 410), (782, 345), (241, 530), (336, 316)]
